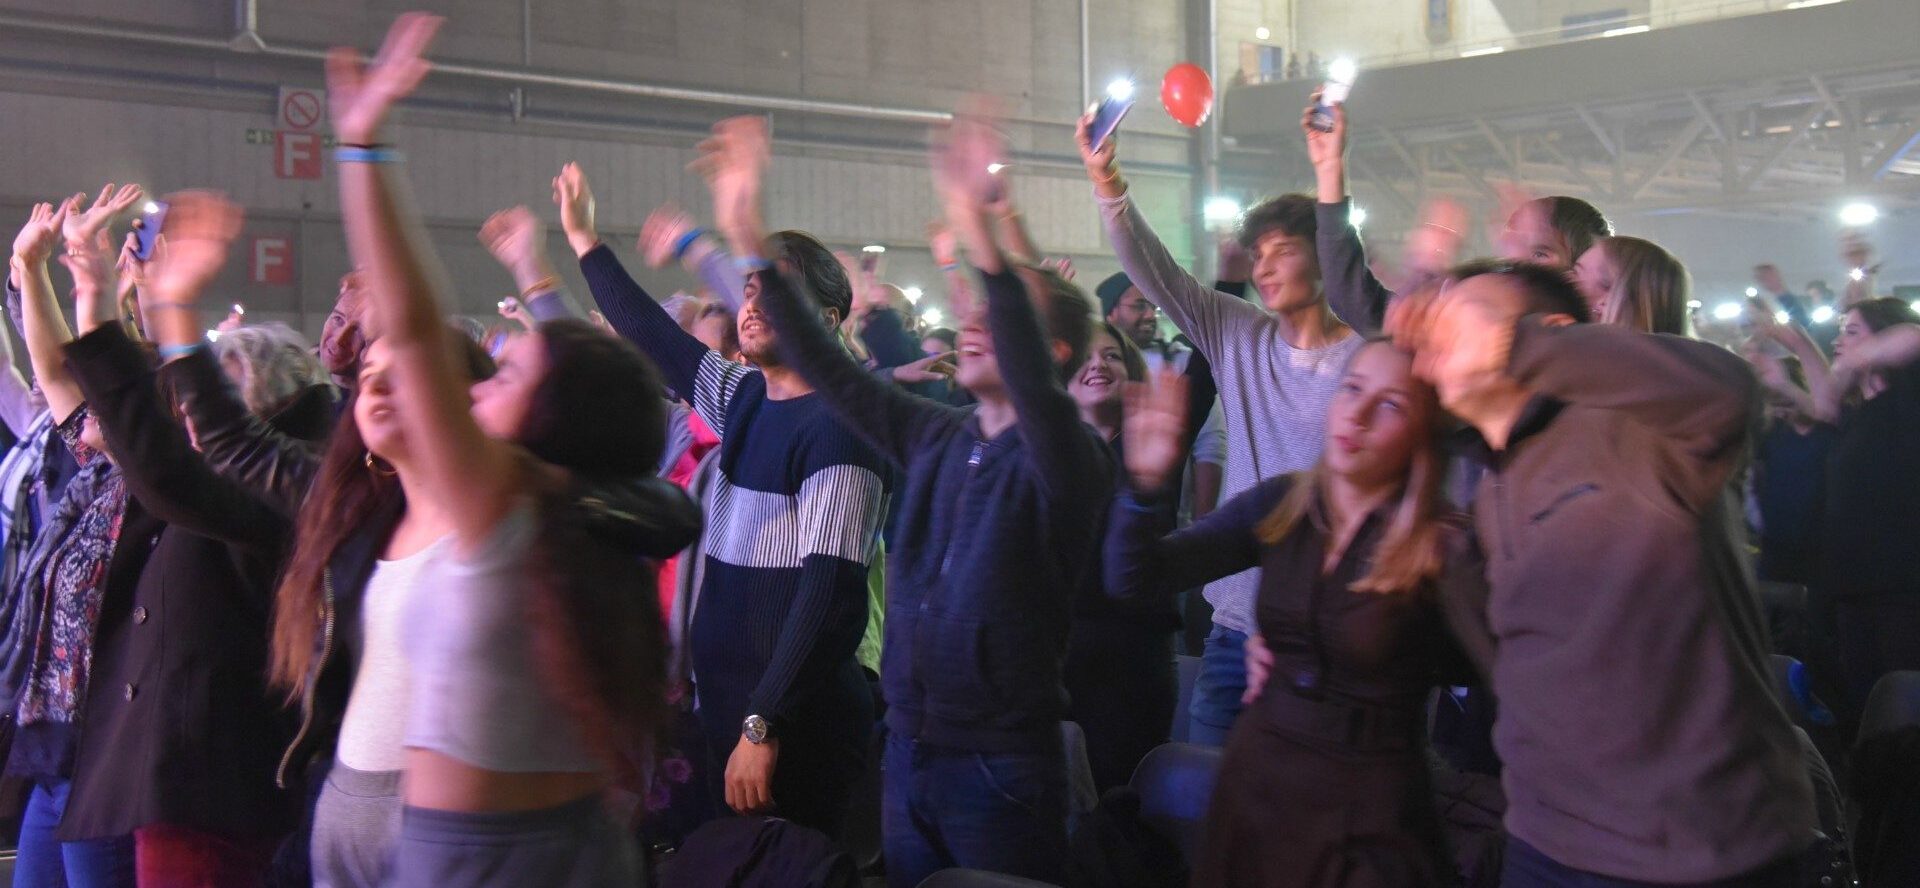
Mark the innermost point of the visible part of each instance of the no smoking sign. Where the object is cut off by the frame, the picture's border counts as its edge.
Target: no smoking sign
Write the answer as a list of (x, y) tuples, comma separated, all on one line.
[(300, 108)]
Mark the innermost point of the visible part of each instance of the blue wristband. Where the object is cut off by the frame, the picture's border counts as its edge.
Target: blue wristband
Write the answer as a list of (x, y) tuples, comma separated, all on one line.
[(169, 352), (685, 242), (367, 154), (749, 264)]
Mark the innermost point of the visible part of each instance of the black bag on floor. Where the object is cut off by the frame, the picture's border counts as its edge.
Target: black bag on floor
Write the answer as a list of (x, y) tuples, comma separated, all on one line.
[(757, 852), (1115, 848)]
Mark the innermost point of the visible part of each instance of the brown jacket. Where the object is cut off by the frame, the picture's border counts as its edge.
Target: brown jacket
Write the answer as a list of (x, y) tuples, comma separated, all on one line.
[(1639, 731)]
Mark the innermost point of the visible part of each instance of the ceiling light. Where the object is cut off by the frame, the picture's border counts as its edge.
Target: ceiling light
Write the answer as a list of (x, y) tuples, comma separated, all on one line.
[(1630, 29), (1483, 51), (1726, 311), (1858, 214)]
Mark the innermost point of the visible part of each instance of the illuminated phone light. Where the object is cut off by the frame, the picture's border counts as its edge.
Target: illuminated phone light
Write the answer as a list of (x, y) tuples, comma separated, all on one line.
[(1781, 316), (1342, 70), (1857, 274), (1752, 292), (1120, 89), (873, 248), (932, 316), (913, 294), (1483, 51), (1821, 314), (213, 336), (1357, 216), (993, 169), (1858, 214), (1916, 305), (1726, 311), (150, 208), (1220, 210), (1630, 29), (1694, 303)]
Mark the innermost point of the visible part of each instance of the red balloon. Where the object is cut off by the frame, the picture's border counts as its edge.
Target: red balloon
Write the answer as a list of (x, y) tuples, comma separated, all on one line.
[(1187, 93)]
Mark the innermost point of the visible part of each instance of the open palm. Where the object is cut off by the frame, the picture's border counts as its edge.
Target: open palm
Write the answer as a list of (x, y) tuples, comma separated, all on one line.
[(82, 226), (362, 95)]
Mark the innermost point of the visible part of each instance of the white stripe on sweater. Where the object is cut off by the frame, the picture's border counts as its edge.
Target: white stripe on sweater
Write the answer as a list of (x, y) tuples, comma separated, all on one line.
[(837, 512)]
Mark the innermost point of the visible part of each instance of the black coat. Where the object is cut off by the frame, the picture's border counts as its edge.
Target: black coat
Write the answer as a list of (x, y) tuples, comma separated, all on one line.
[(178, 726)]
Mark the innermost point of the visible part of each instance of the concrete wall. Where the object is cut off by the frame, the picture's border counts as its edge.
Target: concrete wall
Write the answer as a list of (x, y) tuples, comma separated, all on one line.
[(79, 112)]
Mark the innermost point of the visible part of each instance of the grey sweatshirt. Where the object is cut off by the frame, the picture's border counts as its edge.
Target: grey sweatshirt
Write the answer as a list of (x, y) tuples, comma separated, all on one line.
[(1272, 395)]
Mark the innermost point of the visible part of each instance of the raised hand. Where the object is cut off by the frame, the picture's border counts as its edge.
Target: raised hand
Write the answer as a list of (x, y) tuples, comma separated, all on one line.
[(734, 162), (1062, 265), (1155, 429), (964, 154), (662, 232), (1329, 148), (81, 226), (1102, 163), (1434, 246), (362, 95), (932, 368), (513, 310), (201, 225), (36, 240), (574, 196), (1236, 264), (95, 285), (518, 241)]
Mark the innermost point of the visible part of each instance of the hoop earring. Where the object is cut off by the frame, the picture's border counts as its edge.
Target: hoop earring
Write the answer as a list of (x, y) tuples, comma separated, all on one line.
[(381, 468)]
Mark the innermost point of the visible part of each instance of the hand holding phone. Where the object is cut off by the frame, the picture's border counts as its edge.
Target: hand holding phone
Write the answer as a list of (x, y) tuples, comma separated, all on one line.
[(1339, 83), (1111, 110), (148, 230)]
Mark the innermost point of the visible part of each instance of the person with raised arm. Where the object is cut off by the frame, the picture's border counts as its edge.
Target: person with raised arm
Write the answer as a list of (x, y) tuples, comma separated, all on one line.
[(1638, 726), (1325, 779), (535, 647), (999, 525), (793, 512), (1276, 360)]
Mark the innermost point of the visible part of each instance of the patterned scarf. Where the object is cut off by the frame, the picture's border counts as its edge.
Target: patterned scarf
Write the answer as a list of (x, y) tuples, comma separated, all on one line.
[(61, 588)]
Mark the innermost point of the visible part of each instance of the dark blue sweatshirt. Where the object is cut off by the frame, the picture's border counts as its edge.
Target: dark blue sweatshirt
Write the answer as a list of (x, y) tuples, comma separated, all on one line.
[(993, 535)]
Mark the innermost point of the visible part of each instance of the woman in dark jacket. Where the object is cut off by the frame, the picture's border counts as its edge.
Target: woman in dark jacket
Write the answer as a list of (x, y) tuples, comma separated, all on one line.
[(1325, 780)]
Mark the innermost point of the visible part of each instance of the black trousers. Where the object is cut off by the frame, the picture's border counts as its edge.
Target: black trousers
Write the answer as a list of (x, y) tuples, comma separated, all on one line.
[(1121, 678)]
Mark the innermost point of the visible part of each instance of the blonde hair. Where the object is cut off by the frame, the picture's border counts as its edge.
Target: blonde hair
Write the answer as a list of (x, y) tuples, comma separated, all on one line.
[(269, 363), (1650, 287), (1410, 551)]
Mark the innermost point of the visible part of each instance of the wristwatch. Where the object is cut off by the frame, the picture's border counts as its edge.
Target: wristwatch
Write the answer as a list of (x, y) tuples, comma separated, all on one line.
[(755, 730)]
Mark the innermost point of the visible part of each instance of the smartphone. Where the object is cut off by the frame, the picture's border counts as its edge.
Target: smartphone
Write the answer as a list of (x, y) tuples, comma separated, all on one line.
[(1106, 118), (239, 309), (1333, 92), (149, 230)]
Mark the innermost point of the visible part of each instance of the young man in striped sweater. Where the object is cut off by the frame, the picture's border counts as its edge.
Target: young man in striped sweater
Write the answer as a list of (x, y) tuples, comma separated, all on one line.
[(792, 517)]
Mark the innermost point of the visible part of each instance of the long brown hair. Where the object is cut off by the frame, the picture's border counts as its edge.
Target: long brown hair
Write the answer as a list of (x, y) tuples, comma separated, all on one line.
[(345, 492), (1650, 286), (1410, 552)]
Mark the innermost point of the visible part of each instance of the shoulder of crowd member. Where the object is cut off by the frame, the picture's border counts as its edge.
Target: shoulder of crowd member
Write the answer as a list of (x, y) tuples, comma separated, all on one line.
[(651, 516)]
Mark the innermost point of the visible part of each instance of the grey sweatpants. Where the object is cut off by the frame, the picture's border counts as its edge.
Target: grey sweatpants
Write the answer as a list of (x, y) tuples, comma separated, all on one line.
[(575, 845), (356, 824)]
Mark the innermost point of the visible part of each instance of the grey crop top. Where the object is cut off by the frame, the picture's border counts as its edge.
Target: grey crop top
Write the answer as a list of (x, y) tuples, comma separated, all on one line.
[(477, 693)]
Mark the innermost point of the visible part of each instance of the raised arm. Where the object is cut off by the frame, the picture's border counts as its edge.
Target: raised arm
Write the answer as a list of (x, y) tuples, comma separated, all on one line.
[(733, 162), (518, 241), (474, 478), (1208, 317), (1352, 291), (671, 235), (41, 324)]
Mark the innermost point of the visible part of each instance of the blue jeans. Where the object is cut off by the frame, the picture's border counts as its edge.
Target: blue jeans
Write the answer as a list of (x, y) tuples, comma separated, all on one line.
[(1217, 689), (46, 862), (1526, 867), (1003, 812)]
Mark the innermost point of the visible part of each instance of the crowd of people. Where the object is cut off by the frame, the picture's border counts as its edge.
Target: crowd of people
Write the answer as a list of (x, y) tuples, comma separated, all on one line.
[(424, 605)]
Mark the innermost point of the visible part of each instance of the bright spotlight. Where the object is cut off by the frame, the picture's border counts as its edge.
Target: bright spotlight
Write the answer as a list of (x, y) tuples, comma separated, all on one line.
[(1726, 311), (1857, 274), (1821, 314), (1220, 210), (1357, 215), (1855, 215), (913, 294), (873, 248), (932, 316), (1261, 33), (1752, 292), (1781, 317)]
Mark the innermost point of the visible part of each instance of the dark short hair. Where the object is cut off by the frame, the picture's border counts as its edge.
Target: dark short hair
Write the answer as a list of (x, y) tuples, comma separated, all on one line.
[(1547, 290), (944, 334), (601, 408), (1067, 314), (1579, 223), (1289, 214), (826, 281), (1885, 311)]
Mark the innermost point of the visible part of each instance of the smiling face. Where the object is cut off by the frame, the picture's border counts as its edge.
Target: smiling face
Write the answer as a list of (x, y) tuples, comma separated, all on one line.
[(342, 338), (1286, 271), (1379, 416), (1136, 317), (1100, 381)]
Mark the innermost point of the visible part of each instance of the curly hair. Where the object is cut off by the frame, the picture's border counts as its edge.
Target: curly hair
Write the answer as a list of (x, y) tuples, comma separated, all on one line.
[(270, 363)]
